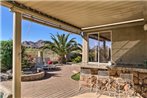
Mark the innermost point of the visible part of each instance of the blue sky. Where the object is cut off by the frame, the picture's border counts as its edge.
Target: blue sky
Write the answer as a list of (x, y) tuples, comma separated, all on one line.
[(30, 31)]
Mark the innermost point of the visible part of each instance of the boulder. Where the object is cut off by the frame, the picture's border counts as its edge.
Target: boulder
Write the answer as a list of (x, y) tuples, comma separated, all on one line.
[(142, 75), (119, 72), (145, 81), (112, 72), (135, 74), (136, 80)]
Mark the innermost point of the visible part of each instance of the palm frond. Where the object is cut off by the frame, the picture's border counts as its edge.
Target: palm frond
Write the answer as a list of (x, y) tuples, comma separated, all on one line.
[(62, 45)]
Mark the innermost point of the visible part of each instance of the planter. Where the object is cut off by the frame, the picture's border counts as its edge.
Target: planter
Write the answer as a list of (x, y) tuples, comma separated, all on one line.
[(32, 77)]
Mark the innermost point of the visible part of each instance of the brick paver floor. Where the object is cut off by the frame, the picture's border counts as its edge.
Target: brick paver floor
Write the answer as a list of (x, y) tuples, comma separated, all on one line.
[(56, 84)]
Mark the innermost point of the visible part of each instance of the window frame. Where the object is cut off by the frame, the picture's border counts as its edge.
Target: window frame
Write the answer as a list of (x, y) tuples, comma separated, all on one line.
[(98, 63)]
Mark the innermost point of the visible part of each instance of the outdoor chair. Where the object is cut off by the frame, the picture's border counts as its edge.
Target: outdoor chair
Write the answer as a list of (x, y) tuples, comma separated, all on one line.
[(85, 79), (103, 82), (48, 66), (125, 85), (52, 66)]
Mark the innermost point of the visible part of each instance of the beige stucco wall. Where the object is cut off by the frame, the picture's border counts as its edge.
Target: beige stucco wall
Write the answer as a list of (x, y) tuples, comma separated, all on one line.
[(129, 45), (85, 48)]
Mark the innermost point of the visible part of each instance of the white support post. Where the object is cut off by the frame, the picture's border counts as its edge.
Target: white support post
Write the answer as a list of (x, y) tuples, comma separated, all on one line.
[(85, 48), (16, 86)]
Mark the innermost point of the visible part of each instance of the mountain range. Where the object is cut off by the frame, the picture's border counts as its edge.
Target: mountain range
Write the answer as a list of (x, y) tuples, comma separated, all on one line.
[(31, 44)]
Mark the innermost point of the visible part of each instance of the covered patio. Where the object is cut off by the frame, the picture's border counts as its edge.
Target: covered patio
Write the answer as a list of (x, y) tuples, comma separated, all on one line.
[(124, 21)]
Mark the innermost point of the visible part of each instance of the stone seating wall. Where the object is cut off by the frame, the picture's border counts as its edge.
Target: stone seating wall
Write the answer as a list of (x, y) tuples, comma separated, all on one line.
[(32, 77)]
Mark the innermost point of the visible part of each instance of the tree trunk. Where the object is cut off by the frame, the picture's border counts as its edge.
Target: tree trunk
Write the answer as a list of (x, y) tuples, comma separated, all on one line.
[(62, 60)]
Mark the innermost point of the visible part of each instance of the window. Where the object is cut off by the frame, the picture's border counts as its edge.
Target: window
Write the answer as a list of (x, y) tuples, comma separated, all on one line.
[(93, 47), (100, 47)]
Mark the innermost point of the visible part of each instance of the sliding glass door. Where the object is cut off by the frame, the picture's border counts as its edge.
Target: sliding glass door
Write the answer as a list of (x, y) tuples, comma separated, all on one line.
[(93, 48), (105, 47), (100, 47)]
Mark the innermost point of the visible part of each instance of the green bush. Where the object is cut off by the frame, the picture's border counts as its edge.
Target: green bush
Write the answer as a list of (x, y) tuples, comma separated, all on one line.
[(6, 54), (55, 62), (76, 76), (24, 57), (77, 59), (25, 62)]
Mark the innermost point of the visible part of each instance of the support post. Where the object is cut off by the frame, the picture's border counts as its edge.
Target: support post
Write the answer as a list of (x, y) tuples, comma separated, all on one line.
[(145, 11), (85, 48), (16, 83), (145, 15)]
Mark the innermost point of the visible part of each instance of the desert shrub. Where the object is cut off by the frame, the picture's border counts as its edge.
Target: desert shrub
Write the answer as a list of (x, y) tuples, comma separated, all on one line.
[(25, 62), (6, 55), (76, 76), (24, 57), (55, 62), (77, 59)]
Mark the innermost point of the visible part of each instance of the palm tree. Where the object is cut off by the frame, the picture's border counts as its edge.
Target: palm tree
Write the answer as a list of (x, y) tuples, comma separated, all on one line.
[(62, 45)]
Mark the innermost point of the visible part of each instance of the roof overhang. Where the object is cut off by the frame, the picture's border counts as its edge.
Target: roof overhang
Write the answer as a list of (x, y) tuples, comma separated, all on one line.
[(92, 15), (114, 25), (39, 17)]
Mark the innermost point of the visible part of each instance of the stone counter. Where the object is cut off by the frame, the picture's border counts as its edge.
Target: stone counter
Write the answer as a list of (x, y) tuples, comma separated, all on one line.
[(142, 70)]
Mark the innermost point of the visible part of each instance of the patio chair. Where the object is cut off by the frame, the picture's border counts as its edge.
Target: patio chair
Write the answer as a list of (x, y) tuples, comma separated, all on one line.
[(126, 85), (103, 82), (48, 66), (85, 79)]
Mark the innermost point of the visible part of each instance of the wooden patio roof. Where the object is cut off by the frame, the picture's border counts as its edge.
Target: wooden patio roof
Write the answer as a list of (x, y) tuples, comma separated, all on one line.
[(79, 15)]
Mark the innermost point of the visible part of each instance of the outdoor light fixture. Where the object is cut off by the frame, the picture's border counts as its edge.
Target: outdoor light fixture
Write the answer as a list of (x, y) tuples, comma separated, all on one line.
[(145, 27)]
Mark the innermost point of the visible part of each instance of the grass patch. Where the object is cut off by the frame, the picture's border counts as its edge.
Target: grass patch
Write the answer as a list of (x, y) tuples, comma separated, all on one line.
[(76, 76)]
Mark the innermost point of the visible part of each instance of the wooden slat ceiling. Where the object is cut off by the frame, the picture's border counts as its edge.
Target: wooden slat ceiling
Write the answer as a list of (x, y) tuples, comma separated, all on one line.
[(89, 13)]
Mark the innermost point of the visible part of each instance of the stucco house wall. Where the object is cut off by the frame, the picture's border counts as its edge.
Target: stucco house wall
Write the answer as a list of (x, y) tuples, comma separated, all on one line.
[(129, 45)]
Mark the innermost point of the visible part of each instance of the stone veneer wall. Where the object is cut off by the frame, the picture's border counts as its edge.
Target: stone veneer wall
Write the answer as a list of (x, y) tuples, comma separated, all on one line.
[(139, 77), (32, 77)]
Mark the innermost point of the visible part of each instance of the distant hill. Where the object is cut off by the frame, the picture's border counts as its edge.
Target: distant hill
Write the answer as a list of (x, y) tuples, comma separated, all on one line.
[(31, 44)]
